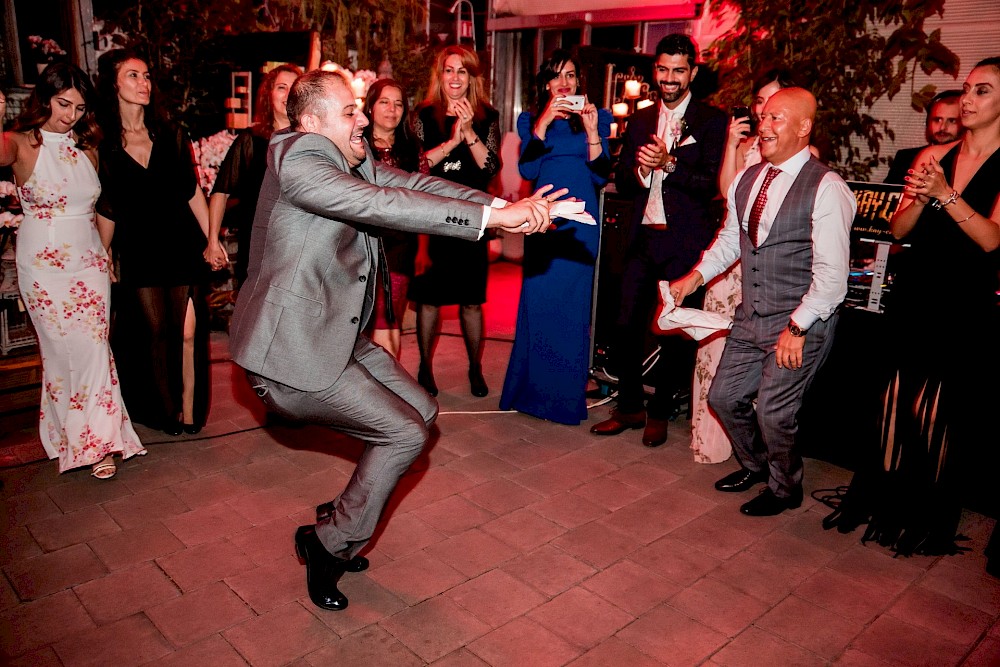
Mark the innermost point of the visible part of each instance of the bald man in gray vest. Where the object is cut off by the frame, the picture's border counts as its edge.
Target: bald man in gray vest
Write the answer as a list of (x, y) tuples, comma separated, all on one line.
[(789, 222)]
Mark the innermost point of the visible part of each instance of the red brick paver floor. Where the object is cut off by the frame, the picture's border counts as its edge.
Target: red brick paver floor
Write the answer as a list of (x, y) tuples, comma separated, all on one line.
[(512, 541)]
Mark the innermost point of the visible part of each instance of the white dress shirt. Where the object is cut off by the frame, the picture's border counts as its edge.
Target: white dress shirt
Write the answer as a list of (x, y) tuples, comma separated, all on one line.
[(653, 214), (833, 214)]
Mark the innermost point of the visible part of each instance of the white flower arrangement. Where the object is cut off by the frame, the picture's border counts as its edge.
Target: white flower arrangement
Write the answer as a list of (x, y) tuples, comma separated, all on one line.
[(45, 50), (209, 152)]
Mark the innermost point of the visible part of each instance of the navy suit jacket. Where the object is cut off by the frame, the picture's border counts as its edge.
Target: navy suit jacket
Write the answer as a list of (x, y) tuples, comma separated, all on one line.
[(901, 164), (689, 191)]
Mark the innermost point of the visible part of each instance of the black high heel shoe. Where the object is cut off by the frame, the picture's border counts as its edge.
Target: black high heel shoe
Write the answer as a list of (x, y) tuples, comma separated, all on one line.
[(479, 388), (426, 380), (191, 429), (173, 427)]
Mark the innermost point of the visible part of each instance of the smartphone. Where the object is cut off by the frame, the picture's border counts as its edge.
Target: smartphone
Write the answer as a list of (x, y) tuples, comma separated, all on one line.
[(743, 111), (574, 102)]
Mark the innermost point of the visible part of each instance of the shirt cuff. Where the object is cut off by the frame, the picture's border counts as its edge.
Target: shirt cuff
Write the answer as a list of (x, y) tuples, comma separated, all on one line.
[(647, 181), (496, 203), (803, 317)]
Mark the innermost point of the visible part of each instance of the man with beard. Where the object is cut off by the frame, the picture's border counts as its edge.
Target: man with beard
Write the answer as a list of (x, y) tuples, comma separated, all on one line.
[(299, 325), (670, 162), (944, 125)]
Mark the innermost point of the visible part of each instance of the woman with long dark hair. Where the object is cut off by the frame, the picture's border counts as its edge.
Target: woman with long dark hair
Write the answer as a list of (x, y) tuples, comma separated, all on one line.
[(242, 171), (460, 133), (63, 273), (159, 217), (568, 147), (937, 452), (393, 143)]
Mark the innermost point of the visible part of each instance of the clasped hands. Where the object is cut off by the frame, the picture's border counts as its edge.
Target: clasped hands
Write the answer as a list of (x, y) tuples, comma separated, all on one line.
[(927, 182), (653, 155), (528, 215)]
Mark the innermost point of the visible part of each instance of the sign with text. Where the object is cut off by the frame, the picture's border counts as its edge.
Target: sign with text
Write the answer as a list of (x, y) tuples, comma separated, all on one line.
[(872, 245)]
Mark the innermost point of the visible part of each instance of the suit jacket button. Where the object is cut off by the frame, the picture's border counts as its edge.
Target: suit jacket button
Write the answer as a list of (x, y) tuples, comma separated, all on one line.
[(354, 320)]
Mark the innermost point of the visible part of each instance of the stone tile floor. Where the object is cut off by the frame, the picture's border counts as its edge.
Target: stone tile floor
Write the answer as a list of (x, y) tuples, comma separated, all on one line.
[(512, 541)]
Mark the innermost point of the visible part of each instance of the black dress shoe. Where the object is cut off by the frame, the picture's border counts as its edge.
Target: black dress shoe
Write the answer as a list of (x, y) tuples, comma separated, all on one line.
[(655, 433), (173, 427), (323, 570), (741, 480), (768, 504), (426, 380), (477, 382), (619, 422)]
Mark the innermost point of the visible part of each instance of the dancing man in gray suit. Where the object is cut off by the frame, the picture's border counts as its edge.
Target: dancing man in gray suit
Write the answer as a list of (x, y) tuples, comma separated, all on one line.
[(297, 328), (794, 243)]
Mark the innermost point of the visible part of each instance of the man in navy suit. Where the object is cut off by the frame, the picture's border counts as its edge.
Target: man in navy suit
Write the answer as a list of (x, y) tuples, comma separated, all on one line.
[(670, 161)]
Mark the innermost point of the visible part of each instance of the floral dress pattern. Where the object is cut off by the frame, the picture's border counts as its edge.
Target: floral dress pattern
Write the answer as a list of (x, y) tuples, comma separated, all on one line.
[(708, 440), (64, 282)]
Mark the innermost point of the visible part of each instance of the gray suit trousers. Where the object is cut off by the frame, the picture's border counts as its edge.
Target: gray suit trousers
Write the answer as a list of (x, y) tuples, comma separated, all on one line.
[(763, 436), (378, 402)]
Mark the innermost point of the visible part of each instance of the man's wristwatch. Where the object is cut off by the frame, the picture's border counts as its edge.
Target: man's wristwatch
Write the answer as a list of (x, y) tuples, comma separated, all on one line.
[(795, 330), (670, 165)]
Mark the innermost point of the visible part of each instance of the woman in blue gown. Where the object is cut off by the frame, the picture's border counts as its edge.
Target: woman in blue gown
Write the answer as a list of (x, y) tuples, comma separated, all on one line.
[(547, 372)]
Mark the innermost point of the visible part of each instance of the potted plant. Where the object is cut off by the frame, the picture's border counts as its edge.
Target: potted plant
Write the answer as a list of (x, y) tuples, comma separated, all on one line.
[(44, 51)]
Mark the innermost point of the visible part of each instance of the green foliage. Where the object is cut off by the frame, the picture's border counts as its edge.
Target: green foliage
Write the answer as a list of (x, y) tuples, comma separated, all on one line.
[(187, 42), (849, 53)]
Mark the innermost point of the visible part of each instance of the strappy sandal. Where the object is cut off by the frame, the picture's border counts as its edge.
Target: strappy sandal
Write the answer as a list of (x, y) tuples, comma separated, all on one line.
[(105, 469)]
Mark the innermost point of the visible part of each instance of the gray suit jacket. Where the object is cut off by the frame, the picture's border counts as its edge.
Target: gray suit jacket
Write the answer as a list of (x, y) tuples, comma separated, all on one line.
[(310, 285)]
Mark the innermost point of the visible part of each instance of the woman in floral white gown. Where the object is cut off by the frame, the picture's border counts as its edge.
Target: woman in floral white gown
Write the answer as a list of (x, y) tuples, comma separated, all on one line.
[(62, 269)]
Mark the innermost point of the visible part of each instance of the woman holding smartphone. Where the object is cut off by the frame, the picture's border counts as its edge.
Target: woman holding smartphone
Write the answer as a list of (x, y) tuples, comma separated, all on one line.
[(565, 144)]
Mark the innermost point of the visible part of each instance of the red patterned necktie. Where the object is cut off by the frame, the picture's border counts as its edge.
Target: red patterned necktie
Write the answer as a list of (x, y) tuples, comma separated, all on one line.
[(759, 204)]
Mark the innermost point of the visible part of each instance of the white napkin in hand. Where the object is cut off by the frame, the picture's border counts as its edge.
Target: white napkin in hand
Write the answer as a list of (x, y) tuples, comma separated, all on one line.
[(571, 210), (694, 322)]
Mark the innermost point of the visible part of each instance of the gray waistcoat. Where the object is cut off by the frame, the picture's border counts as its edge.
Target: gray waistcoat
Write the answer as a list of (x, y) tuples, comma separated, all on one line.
[(777, 274)]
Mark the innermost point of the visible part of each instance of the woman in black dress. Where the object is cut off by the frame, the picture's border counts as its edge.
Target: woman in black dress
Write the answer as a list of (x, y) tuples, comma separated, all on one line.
[(159, 216), (937, 451), (461, 134), (242, 172), (393, 143)]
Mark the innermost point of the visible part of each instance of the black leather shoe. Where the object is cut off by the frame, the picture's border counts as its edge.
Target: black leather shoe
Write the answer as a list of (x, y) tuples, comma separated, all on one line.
[(618, 422), (323, 570), (477, 382), (173, 427), (741, 480), (768, 504), (426, 380), (655, 433)]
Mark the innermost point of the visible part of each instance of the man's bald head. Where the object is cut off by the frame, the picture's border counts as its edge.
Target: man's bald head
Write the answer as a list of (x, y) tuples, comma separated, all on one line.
[(786, 124)]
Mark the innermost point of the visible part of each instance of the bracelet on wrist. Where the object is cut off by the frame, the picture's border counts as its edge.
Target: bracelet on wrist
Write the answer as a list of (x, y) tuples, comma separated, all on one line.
[(594, 143), (952, 198), (958, 222), (472, 143), (444, 151)]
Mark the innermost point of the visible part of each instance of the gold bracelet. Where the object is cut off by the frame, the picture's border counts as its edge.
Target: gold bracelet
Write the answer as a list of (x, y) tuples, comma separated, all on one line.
[(472, 143), (443, 151), (594, 143), (958, 222)]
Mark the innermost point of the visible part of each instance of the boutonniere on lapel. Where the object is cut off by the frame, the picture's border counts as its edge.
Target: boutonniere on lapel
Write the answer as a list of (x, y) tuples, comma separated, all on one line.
[(676, 132)]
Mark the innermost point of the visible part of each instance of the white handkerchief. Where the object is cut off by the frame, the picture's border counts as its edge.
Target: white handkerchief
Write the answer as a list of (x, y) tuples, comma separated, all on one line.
[(694, 322), (688, 141), (571, 210)]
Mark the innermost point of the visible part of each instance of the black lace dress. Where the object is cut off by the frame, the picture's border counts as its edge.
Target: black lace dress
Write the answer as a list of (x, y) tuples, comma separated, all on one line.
[(457, 274)]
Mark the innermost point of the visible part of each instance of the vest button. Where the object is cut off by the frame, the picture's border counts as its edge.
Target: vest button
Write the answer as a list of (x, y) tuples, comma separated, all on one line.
[(354, 320), (756, 284), (754, 269), (365, 278)]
